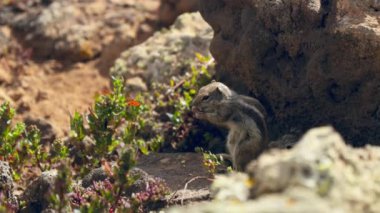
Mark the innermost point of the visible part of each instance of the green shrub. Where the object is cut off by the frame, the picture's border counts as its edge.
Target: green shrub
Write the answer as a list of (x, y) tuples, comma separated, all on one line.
[(172, 103), (20, 145), (113, 124)]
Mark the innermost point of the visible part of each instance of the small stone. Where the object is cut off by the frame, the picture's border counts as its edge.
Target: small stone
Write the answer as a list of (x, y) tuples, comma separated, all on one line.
[(231, 187), (6, 183), (95, 175), (35, 193)]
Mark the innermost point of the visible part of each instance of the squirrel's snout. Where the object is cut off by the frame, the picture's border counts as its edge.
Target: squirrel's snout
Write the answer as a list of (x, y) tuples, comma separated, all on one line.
[(195, 111)]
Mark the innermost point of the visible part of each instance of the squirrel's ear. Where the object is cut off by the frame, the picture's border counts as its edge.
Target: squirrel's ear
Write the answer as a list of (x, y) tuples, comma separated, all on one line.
[(219, 91), (224, 91)]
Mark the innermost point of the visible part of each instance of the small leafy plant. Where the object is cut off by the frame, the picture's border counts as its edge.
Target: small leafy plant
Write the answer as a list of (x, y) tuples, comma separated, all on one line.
[(112, 126), (212, 162), (172, 102), (20, 145)]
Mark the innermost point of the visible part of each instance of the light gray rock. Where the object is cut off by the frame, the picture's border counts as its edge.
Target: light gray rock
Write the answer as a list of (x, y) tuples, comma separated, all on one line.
[(234, 186), (6, 180), (320, 174), (6, 183), (322, 163), (166, 53)]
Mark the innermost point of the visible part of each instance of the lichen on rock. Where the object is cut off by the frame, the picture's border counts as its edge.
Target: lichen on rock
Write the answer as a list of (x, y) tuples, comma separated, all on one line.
[(166, 53), (7, 184)]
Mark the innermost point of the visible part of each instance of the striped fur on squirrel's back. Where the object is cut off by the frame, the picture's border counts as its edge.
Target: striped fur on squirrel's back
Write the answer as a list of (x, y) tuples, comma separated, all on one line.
[(244, 116)]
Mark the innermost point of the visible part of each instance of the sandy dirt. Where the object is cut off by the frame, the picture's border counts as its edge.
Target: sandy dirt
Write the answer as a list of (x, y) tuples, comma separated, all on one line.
[(51, 91)]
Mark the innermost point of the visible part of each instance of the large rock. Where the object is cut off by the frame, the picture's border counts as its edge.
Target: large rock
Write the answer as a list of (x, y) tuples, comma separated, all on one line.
[(81, 30), (320, 174), (323, 164), (310, 62), (167, 53)]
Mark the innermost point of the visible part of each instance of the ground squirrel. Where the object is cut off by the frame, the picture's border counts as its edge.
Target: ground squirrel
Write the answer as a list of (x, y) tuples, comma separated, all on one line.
[(244, 116)]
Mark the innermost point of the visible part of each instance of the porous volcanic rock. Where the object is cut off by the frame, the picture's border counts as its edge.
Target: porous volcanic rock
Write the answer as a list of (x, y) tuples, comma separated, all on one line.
[(320, 174), (322, 163), (35, 195), (6, 184), (310, 62), (167, 53)]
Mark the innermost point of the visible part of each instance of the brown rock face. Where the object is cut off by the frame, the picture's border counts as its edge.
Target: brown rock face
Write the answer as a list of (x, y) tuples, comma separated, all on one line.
[(311, 62)]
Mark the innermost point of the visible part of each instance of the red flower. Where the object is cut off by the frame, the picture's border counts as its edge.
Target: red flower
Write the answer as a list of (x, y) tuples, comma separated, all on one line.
[(132, 102)]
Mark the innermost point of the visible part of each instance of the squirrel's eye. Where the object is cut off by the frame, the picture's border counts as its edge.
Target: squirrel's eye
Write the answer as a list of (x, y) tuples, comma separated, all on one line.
[(205, 98)]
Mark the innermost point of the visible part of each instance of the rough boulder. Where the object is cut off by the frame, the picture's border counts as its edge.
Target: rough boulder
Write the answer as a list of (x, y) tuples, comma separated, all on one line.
[(311, 62)]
